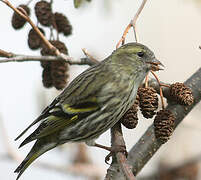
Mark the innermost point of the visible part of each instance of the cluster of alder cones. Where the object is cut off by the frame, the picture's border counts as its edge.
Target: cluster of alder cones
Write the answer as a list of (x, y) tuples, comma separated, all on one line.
[(55, 74), (147, 100)]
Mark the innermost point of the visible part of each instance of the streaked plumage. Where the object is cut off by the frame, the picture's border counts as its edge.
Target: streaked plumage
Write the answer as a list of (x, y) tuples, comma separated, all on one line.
[(92, 103)]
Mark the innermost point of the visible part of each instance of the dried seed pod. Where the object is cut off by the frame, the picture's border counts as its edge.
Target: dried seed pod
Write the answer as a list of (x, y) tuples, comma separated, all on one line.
[(59, 73), (130, 118), (148, 101), (45, 64), (46, 77), (45, 51), (34, 41), (59, 69), (164, 125), (18, 21), (63, 24), (181, 94), (43, 13)]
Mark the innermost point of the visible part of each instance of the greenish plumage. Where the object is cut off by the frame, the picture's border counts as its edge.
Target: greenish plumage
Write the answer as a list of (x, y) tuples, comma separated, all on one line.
[(92, 103)]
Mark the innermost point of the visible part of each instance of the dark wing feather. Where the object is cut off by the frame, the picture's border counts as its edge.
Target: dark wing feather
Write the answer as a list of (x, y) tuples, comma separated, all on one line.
[(43, 115)]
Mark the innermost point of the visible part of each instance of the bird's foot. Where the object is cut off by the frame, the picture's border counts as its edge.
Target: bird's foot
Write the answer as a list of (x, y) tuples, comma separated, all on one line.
[(113, 150)]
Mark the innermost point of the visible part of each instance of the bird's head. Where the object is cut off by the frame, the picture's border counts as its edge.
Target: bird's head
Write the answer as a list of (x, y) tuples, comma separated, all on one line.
[(141, 53)]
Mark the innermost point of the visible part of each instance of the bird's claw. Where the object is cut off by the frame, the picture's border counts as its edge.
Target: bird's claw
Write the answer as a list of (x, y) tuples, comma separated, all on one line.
[(114, 150)]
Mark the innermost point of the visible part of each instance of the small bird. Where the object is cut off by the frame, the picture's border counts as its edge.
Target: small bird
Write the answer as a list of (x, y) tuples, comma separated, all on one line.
[(92, 103)]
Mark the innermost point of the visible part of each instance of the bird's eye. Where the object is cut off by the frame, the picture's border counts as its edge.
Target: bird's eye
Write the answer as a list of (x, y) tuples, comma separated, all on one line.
[(140, 54)]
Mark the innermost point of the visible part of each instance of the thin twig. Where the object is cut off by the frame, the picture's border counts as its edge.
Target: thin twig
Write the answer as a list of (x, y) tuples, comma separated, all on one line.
[(124, 35), (66, 58), (146, 80), (161, 91), (134, 20), (89, 55), (5, 54), (132, 24)]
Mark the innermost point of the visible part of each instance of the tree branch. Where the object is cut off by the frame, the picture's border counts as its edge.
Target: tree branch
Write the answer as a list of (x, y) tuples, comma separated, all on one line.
[(119, 161), (24, 58), (132, 24), (134, 20), (5, 54)]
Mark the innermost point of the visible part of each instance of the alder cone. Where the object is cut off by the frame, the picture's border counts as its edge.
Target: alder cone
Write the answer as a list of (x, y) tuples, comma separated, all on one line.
[(58, 69), (17, 21), (34, 41), (46, 77), (130, 118), (148, 101), (43, 13), (62, 24), (181, 94), (164, 125)]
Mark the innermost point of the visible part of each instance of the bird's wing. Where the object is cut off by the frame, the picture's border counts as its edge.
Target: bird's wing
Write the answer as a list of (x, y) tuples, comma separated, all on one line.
[(75, 102)]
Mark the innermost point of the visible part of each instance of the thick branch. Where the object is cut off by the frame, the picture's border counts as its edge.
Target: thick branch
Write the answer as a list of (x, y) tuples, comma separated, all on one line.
[(119, 161)]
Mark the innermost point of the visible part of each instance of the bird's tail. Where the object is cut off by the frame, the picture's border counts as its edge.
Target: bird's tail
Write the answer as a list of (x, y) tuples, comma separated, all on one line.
[(40, 147)]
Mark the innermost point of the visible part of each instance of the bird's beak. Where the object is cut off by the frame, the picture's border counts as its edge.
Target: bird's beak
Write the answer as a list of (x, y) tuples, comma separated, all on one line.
[(156, 65)]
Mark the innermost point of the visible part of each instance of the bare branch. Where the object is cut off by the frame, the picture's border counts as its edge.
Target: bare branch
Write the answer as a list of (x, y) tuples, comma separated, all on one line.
[(119, 161), (89, 56), (132, 24), (66, 58), (5, 54), (134, 20)]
